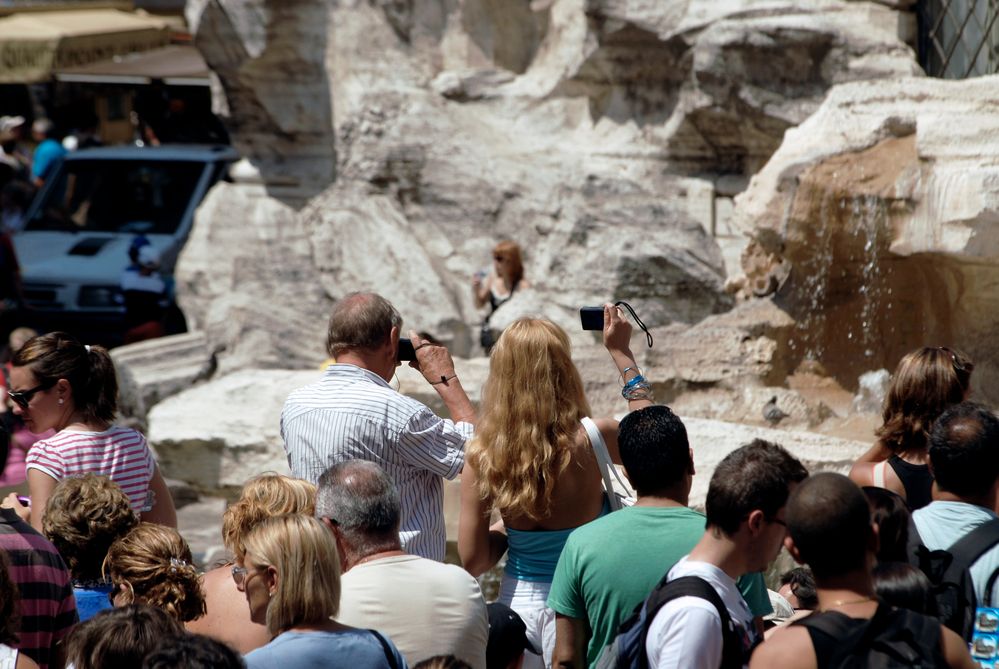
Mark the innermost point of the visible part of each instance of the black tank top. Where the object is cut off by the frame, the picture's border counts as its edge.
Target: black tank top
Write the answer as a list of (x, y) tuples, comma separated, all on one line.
[(916, 479)]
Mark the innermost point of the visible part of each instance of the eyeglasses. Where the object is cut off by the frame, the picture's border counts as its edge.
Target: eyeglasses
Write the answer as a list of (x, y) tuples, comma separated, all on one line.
[(23, 397), (241, 575), (966, 366)]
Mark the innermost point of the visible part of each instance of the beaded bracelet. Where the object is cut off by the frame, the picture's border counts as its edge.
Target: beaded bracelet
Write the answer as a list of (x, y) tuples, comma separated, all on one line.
[(444, 379)]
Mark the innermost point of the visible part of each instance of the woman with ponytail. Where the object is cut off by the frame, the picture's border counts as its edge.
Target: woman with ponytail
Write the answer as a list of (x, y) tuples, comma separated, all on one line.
[(56, 382)]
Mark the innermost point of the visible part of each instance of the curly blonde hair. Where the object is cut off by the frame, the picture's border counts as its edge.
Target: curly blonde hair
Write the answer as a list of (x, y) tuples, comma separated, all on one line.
[(304, 553), (926, 381), (83, 517), (262, 497), (155, 565), (532, 403)]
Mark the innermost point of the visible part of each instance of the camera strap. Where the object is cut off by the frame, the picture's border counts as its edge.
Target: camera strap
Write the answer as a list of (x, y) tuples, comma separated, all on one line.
[(648, 335)]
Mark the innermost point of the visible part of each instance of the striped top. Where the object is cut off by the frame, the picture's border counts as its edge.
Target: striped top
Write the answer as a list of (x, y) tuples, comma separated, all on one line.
[(353, 413), (48, 609), (120, 453)]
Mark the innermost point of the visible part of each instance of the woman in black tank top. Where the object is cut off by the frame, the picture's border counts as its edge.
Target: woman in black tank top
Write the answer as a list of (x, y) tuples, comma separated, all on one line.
[(926, 382)]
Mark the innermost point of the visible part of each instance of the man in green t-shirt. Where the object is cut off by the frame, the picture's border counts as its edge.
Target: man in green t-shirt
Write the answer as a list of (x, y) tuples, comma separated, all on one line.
[(610, 565)]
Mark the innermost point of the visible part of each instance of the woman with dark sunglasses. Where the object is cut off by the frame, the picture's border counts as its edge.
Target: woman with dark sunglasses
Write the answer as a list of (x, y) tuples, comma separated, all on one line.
[(58, 383), (926, 382)]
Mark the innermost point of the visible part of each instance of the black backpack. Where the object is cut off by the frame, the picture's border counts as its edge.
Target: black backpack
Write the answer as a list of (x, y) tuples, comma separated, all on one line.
[(627, 650), (950, 579), (892, 638)]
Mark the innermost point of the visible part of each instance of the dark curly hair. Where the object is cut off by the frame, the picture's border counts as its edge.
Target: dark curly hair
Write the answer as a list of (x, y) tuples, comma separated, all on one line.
[(83, 517)]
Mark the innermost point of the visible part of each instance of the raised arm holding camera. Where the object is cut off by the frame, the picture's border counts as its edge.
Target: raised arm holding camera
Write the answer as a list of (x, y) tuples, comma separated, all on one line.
[(532, 460), (353, 413)]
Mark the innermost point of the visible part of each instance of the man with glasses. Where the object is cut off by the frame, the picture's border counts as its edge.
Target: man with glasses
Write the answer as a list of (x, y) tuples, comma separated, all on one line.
[(745, 530), (353, 412)]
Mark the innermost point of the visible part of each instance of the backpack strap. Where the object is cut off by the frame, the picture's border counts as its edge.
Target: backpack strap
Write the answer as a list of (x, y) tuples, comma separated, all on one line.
[(694, 586), (969, 548), (973, 545), (834, 628)]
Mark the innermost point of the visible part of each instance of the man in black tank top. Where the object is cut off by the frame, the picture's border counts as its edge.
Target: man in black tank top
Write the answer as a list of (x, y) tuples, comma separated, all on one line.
[(829, 528)]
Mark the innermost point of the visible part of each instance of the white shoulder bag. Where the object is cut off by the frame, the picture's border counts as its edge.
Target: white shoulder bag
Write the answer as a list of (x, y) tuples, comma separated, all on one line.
[(620, 495)]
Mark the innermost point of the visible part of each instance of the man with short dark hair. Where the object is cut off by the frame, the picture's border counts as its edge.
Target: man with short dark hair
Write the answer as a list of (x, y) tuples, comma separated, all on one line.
[(830, 528), (610, 565), (745, 530), (964, 455), (425, 607), (352, 412)]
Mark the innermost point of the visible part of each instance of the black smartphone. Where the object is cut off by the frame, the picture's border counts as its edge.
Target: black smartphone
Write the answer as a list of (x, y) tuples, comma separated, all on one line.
[(406, 350), (591, 318)]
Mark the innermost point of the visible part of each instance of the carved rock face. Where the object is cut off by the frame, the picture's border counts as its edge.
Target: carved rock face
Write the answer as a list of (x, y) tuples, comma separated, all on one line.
[(388, 145)]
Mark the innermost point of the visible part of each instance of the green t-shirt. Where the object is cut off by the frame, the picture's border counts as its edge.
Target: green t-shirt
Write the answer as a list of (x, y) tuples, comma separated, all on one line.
[(610, 565)]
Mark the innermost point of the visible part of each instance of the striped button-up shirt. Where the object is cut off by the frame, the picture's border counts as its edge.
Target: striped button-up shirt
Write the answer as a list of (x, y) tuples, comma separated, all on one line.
[(353, 413)]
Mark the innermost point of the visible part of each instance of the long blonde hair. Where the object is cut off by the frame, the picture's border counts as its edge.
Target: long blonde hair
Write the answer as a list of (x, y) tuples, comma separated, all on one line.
[(532, 403)]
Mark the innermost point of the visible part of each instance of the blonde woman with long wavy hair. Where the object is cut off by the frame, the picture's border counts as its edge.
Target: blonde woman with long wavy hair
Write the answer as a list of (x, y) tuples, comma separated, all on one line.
[(532, 461)]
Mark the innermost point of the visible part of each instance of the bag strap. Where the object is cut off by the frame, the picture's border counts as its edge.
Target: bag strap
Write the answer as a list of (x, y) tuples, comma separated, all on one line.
[(879, 474), (389, 655), (603, 461), (695, 586), (973, 545)]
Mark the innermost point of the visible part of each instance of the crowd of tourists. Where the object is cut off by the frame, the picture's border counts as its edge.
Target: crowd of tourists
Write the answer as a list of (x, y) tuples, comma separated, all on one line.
[(341, 564)]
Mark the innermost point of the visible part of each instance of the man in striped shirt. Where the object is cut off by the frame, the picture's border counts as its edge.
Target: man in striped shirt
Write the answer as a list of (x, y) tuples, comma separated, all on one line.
[(48, 608), (353, 413)]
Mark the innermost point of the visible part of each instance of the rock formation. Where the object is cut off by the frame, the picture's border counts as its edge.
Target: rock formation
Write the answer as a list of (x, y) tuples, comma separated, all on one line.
[(388, 145)]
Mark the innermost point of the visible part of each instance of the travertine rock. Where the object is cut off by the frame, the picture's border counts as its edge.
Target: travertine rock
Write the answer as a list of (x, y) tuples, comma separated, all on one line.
[(884, 203), (150, 371), (712, 440), (389, 145)]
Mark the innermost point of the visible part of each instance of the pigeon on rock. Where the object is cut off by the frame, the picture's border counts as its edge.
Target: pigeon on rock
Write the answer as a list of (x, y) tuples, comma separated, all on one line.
[(772, 413)]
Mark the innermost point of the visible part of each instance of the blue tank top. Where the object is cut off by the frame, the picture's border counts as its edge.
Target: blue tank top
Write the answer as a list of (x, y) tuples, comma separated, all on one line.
[(533, 554)]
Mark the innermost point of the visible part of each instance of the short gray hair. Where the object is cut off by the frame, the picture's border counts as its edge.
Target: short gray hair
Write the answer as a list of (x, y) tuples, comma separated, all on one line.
[(360, 498), (362, 321)]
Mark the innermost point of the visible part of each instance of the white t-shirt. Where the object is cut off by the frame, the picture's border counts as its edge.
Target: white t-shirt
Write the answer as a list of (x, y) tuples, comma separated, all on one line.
[(426, 607), (686, 632)]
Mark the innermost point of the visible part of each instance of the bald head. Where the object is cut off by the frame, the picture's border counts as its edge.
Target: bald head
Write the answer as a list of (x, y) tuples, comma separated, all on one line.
[(829, 521), (360, 321), (360, 499)]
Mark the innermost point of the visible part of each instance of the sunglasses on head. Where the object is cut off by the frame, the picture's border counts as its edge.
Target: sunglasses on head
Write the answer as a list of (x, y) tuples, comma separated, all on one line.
[(965, 366), (22, 397)]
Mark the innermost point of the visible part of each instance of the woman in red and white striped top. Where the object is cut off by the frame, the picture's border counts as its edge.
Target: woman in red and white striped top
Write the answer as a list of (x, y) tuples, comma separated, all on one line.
[(59, 383)]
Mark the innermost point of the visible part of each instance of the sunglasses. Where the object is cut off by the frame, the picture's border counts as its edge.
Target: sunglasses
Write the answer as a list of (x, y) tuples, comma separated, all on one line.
[(23, 397), (965, 366), (240, 575)]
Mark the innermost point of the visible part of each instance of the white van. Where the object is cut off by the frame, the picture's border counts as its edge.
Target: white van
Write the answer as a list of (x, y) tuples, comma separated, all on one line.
[(74, 246)]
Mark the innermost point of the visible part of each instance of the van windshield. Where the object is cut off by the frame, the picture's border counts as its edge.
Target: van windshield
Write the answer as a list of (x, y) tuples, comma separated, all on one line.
[(129, 196)]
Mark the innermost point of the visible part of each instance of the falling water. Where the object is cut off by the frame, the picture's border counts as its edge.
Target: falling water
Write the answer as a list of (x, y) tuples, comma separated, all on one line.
[(841, 271)]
